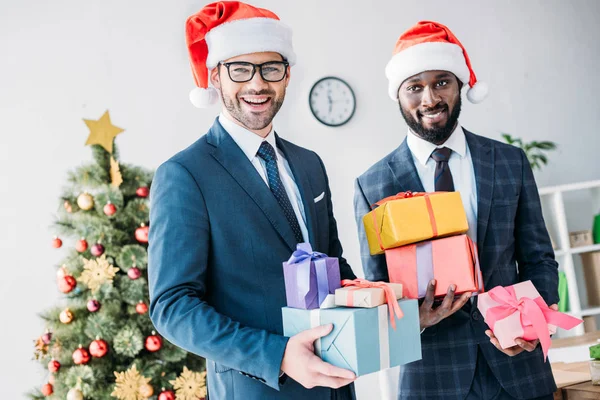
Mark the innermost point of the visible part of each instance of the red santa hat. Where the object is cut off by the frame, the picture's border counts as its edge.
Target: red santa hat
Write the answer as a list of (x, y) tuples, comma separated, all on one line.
[(228, 29), (430, 46)]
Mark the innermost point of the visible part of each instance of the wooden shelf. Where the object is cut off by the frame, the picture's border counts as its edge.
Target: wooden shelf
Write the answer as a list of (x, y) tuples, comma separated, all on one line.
[(585, 249), (586, 312), (566, 256), (577, 250), (569, 187)]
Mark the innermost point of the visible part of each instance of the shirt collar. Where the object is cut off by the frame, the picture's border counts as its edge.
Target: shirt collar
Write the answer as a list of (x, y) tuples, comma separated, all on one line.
[(248, 141), (422, 149)]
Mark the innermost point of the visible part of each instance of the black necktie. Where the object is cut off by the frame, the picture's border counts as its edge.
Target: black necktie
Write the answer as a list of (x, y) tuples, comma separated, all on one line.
[(267, 153), (443, 177)]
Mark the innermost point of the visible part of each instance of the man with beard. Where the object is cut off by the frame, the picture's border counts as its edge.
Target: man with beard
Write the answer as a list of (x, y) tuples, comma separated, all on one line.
[(462, 359), (229, 209)]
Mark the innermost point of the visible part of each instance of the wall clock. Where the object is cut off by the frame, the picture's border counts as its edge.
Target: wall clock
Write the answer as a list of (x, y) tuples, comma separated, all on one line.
[(332, 101)]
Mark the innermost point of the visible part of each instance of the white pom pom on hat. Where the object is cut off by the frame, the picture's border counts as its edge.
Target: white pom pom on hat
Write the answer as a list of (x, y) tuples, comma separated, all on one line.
[(203, 98), (430, 46), (227, 29)]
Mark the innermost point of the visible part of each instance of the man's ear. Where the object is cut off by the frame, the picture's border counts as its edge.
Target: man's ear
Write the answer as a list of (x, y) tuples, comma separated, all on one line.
[(287, 76), (215, 77)]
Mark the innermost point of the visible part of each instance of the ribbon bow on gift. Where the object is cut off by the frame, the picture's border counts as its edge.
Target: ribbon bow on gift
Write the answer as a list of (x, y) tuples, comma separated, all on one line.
[(399, 196), (302, 257), (390, 296), (534, 313), (406, 195)]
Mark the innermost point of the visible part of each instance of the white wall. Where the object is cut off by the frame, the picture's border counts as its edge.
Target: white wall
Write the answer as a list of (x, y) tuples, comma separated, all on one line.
[(62, 61)]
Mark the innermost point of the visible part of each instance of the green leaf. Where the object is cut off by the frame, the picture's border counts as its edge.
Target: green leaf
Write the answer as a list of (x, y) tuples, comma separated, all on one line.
[(129, 341), (131, 255), (81, 377)]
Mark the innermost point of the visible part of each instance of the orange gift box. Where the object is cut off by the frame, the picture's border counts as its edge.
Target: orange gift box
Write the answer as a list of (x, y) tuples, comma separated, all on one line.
[(412, 217), (451, 260)]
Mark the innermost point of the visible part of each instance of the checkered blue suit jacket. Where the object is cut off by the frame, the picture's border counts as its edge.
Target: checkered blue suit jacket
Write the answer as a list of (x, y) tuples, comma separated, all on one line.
[(513, 246)]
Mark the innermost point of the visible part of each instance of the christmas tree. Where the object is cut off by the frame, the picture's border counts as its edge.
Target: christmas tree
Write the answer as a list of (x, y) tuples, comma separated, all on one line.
[(100, 343)]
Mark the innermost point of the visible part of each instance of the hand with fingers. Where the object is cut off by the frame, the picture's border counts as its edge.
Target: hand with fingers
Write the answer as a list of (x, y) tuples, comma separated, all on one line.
[(429, 316), (522, 345), (302, 365)]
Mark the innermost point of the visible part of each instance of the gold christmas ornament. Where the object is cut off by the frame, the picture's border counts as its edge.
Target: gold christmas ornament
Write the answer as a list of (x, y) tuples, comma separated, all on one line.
[(75, 394), (85, 201), (68, 207), (128, 385), (102, 132), (115, 173), (66, 316), (97, 272), (190, 385), (146, 390)]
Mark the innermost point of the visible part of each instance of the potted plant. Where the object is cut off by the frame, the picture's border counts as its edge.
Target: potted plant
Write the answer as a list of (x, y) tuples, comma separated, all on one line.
[(533, 150)]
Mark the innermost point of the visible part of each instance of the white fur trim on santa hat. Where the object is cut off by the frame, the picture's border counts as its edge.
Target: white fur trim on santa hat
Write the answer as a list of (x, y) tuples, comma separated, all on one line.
[(203, 98), (245, 36), (425, 57)]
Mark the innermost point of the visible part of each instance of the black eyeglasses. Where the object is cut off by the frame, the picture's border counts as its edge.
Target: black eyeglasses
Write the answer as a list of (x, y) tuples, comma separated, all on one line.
[(272, 71)]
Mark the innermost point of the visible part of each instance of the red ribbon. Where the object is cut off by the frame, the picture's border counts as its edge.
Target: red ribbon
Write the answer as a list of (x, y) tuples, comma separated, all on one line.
[(390, 296), (406, 195), (534, 312)]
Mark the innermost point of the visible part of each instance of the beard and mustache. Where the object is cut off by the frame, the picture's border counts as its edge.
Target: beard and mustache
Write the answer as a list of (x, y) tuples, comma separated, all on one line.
[(435, 135), (253, 121)]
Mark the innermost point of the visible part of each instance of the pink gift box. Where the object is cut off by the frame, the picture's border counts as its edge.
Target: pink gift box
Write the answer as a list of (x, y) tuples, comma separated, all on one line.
[(518, 311)]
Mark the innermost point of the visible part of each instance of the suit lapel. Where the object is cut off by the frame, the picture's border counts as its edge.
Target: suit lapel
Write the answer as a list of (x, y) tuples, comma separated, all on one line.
[(402, 168), (303, 182), (482, 155), (233, 159)]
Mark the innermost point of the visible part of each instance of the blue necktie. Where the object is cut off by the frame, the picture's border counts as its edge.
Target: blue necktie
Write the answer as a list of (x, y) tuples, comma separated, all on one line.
[(267, 153)]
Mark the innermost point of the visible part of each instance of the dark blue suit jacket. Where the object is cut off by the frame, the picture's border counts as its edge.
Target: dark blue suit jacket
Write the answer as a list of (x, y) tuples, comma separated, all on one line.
[(513, 246), (217, 242)]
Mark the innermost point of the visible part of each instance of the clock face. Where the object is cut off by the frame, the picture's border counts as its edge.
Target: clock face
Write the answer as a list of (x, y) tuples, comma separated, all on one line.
[(332, 101)]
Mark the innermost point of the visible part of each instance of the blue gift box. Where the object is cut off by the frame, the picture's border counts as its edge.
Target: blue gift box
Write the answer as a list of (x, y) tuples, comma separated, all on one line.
[(362, 339)]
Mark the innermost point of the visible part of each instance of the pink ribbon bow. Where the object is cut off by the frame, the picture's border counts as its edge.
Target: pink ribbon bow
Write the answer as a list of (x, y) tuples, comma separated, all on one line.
[(534, 313), (390, 296)]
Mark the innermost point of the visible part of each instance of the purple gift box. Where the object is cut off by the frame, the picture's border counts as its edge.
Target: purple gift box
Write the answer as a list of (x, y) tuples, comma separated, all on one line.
[(309, 277)]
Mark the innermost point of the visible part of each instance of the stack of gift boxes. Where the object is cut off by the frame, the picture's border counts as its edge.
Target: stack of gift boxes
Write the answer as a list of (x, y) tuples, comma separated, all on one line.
[(373, 327), (376, 324), (423, 238)]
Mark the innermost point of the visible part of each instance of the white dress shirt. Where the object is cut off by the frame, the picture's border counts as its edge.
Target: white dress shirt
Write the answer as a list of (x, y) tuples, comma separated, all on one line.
[(461, 167), (250, 142)]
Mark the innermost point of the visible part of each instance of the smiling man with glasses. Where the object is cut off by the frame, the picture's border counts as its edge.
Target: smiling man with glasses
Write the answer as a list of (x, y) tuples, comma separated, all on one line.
[(229, 209)]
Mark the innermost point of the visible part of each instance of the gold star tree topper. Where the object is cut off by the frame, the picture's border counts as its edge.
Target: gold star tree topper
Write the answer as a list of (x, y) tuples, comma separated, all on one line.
[(97, 272), (190, 385), (102, 132), (128, 385)]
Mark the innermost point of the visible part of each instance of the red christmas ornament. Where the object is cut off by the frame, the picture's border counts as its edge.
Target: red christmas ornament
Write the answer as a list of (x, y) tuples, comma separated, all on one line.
[(53, 366), (93, 305), (141, 308), (81, 356), (81, 245), (141, 234), (153, 342), (166, 395), (98, 348), (97, 250), (110, 209), (66, 284), (47, 337), (56, 242), (142, 191), (47, 389), (134, 273)]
